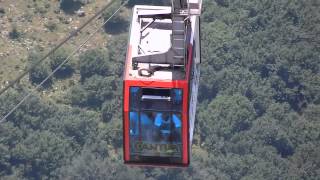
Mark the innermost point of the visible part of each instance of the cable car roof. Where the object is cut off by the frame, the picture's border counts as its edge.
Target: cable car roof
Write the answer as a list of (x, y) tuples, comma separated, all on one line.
[(151, 37)]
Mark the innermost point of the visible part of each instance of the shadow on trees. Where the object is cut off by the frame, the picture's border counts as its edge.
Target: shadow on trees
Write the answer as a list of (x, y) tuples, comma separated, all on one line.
[(207, 93), (131, 3), (116, 27), (118, 23), (45, 86), (296, 99), (70, 6), (64, 74), (39, 74), (283, 147)]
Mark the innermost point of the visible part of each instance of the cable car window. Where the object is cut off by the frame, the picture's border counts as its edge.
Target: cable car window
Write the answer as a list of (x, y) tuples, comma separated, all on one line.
[(134, 126), (177, 100), (155, 129), (134, 98)]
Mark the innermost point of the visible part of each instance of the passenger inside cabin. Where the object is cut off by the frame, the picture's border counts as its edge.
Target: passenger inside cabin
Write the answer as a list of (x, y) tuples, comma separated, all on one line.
[(169, 128)]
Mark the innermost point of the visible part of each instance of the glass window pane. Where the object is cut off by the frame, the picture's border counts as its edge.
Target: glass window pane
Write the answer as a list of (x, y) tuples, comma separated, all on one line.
[(134, 124), (177, 96), (160, 134), (177, 127), (155, 125), (134, 98), (177, 100)]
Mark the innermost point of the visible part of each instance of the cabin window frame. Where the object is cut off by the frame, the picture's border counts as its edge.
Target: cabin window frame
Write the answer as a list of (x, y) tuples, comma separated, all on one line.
[(175, 132)]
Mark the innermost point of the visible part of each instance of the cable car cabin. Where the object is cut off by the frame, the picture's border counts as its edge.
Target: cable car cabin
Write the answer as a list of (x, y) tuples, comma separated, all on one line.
[(160, 86)]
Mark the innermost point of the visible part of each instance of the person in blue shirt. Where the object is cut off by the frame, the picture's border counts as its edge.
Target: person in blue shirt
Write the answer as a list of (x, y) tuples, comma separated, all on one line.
[(168, 126)]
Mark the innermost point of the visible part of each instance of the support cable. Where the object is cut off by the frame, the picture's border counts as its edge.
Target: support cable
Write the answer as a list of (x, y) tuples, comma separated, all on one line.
[(61, 64), (72, 34)]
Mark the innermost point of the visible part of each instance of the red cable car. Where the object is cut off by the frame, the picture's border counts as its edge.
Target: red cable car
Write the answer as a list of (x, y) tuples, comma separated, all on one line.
[(161, 80)]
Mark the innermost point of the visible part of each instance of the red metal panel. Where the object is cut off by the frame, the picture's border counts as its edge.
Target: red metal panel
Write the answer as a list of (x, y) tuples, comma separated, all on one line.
[(158, 84), (185, 128), (126, 146), (126, 122), (157, 165), (152, 83), (185, 131)]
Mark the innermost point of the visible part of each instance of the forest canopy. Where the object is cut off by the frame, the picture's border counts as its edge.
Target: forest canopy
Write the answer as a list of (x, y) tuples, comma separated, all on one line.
[(258, 114)]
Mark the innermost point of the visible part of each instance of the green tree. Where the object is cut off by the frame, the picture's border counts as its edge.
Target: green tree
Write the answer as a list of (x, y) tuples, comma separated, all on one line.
[(78, 95), (75, 124), (57, 58), (305, 162), (119, 23), (226, 116), (41, 153), (117, 48), (94, 62), (31, 114), (10, 136), (110, 108), (38, 72), (93, 92), (87, 166), (258, 109)]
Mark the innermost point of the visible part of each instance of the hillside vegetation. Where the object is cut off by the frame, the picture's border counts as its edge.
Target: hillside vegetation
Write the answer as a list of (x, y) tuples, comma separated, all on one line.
[(258, 113)]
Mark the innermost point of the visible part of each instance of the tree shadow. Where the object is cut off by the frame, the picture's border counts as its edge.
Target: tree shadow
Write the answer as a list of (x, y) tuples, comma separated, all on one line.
[(70, 7), (45, 86), (131, 3), (116, 27), (283, 147), (64, 73)]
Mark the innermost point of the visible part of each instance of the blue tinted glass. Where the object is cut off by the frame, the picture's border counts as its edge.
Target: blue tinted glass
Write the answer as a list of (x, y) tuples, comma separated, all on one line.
[(145, 119), (155, 124), (177, 120), (158, 120), (159, 135), (134, 124), (177, 96), (134, 89), (134, 98)]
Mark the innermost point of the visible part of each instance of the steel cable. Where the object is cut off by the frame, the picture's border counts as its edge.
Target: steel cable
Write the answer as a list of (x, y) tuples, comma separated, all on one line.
[(72, 34), (61, 64)]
